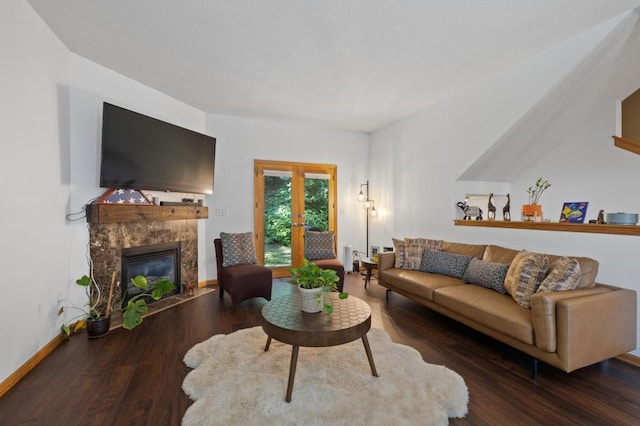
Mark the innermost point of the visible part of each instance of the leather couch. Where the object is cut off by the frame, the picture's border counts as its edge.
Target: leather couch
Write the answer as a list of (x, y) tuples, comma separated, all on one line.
[(567, 329)]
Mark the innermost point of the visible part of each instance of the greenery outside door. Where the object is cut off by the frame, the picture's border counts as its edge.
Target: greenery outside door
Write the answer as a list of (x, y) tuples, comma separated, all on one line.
[(289, 199)]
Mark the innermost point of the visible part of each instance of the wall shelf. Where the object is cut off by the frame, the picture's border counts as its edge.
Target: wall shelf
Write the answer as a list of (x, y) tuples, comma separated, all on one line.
[(551, 226), (123, 213)]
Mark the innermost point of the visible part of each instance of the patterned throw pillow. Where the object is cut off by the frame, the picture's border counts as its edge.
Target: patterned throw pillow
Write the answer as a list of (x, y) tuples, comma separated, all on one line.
[(319, 245), (486, 274), (525, 275), (398, 248), (414, 249), (445, 263), (238, 249), (564, 275)]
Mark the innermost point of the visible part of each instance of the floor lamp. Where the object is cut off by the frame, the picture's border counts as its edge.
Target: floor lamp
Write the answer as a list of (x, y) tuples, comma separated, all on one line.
[(370, 207)]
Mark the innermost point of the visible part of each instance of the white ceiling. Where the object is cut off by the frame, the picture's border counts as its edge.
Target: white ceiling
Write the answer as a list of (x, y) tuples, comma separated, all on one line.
[(351, 64)]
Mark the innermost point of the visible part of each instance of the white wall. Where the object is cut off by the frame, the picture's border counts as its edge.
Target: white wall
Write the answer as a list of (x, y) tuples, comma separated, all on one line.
[(34, 164), (240, 141), (418, 162)]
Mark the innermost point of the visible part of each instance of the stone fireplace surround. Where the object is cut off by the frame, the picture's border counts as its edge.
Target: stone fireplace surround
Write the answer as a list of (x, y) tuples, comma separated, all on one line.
[(114, 227)]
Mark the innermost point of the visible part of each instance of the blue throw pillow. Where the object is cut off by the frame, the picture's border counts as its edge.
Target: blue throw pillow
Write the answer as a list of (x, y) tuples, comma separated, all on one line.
[(486, 274), (445, 263)]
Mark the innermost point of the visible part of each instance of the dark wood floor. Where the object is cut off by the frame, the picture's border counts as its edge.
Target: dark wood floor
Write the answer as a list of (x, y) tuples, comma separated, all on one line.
[(135, 377)]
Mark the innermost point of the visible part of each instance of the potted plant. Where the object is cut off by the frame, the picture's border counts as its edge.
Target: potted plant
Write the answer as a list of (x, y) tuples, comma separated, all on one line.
[(533, 210), (96, 314), (312, 281)]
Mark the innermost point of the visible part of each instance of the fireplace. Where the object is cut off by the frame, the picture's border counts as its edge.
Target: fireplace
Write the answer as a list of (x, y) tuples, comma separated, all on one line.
[(154, 262)]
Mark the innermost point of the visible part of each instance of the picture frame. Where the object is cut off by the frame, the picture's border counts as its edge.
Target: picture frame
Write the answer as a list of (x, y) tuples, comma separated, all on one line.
[(574, 212), (374, 251)]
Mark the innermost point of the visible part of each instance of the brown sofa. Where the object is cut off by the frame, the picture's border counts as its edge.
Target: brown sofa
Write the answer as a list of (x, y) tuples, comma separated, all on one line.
[(566, 329)]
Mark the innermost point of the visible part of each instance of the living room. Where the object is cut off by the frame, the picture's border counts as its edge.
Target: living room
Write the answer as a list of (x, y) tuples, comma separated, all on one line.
[(551, 113)]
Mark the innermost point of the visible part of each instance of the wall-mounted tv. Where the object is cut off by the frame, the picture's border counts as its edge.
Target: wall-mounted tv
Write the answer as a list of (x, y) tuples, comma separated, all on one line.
[(141, 152)]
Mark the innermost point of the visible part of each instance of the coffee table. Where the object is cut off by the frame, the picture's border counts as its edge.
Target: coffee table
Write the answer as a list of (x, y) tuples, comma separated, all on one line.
[(283, 320)]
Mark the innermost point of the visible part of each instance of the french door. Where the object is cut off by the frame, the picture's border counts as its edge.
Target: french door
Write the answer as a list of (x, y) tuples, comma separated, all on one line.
[(291, 198)]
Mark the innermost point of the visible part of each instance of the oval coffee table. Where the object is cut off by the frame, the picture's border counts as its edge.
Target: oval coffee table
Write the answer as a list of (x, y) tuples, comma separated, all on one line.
[(283, 320)]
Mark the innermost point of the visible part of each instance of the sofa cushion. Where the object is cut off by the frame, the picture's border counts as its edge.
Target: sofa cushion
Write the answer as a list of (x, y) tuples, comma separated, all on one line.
[(414, 249), (499, 254), (486, 274), (588, 270), (398, 248), (441, 262), (588, 266), (564, 274), (238, 249), (525, 275), (475, 250), (421, 284), (319, 245), (489, 308)]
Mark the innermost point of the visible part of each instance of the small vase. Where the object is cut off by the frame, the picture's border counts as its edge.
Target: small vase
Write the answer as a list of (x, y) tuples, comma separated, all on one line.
[(311, 299), (532, 212)]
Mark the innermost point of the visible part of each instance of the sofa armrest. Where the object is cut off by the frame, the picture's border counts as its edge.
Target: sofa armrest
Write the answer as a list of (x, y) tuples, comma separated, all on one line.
[(597, 327), (386, 260), (544, 317), (590, 326)]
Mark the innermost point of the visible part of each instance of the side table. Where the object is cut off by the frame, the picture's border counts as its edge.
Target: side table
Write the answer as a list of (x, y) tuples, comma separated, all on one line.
[(370, 265)]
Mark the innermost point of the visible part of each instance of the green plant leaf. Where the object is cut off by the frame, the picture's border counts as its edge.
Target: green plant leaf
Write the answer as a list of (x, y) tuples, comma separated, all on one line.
[(140, 282), (132, 315), (343, 295), (66, 330), (161, 287), (328, 308), (84, 281)]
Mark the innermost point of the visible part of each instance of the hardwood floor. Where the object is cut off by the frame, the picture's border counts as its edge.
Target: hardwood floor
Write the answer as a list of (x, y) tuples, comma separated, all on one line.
[(134, 378)]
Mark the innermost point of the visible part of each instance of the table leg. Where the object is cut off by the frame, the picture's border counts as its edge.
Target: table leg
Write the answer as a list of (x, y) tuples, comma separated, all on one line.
[(292, 372), (367, 349), (367, 278), (266, 347)]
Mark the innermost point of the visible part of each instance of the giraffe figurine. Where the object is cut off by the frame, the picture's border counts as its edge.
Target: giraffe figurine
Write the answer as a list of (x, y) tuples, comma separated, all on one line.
[(491, 213), (506, 210)]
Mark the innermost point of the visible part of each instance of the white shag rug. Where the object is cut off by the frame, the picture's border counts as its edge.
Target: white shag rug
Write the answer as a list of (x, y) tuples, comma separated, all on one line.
[(234, 382)]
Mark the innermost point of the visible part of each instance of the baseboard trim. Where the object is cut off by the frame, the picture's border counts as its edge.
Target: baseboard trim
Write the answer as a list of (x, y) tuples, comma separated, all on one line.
[(630, 359), (17, 375), (207, 283)]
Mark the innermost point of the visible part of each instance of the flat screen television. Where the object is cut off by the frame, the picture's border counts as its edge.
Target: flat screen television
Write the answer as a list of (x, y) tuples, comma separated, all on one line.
[(141, 152)]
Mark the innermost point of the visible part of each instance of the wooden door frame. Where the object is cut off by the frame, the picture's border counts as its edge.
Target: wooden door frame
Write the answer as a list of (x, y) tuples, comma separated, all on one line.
[(297, 235)]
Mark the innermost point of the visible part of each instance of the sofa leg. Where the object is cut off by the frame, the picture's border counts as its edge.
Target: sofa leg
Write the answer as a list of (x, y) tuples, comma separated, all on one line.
[(534, 369), (221, 292), (386, 295)]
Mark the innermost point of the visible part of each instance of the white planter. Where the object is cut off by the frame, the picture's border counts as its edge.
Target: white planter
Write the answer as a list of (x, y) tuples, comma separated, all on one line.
[(311, 299)]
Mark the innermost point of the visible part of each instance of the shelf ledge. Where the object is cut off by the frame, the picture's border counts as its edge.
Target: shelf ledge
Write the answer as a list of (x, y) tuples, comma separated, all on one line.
[(554, 226)]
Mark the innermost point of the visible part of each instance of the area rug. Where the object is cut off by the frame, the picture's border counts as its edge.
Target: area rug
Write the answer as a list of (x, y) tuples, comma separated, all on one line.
[(235, 382)]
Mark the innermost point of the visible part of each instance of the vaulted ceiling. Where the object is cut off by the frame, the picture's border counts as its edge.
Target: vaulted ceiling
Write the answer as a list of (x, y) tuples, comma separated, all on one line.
[(351, 64)]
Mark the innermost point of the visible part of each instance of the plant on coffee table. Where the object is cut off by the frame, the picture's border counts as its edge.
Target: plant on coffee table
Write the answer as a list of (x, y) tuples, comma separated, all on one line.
[(310, 276)]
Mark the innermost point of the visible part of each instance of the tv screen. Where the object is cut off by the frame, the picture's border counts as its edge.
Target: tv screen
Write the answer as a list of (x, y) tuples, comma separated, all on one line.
[(141, 152)]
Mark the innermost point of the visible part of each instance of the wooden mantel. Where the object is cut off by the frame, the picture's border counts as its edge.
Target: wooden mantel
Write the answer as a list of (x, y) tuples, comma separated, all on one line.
[(123, 213), (554, 226)]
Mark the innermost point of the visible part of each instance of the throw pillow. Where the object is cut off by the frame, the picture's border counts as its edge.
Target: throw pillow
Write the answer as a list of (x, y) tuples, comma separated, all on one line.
[(398, 248), (564, 275), (486, 274), (238, 249), (414, 250), (445, 263), (319, 245), (525, 275)]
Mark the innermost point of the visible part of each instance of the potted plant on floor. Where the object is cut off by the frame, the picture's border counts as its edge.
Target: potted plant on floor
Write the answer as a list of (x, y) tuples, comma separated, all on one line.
[(96, 314), (533, 210), (312, 281)]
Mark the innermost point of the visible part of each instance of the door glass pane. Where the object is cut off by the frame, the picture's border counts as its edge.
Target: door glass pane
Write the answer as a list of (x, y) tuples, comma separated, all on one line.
[(316, 201), (277, 218)]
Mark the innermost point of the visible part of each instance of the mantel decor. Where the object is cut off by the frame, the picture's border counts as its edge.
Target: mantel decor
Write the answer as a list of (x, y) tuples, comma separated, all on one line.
[(590, 228)]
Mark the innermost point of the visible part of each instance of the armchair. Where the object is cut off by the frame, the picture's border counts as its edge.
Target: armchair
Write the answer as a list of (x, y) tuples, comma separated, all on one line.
[(242, 281)]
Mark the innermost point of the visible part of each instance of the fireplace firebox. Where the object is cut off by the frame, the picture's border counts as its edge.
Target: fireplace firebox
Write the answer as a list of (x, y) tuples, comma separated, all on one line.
[(154, 262)]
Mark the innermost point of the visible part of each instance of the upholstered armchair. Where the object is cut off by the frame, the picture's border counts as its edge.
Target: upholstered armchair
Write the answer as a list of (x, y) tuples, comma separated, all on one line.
[(320, 248), (239, 273)]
